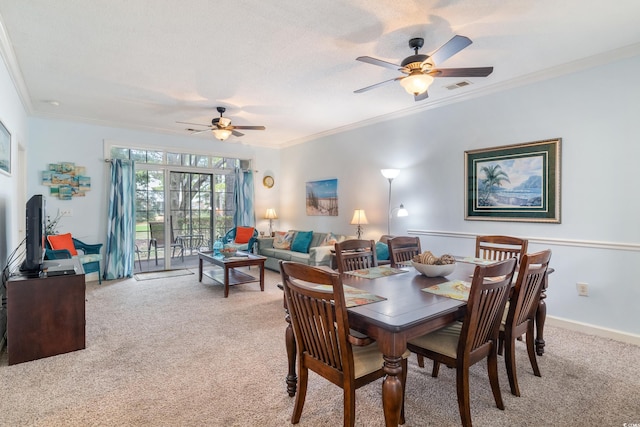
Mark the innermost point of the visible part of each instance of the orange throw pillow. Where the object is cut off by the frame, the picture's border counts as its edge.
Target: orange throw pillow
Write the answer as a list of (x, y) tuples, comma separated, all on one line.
[(244, 234), (62, 241)]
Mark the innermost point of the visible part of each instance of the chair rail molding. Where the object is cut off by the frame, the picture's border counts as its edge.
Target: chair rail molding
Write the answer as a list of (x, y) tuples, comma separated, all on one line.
[(593, 244)]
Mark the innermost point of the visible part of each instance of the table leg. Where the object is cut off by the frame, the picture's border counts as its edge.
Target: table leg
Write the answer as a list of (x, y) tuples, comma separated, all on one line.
[(200, 270), (292, 378), (290, 343), (261, 267), (392, 390), (226, 281), (541, 315)]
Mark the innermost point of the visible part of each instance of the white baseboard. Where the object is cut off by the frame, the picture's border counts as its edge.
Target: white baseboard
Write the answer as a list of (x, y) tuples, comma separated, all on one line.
[(594, 330)]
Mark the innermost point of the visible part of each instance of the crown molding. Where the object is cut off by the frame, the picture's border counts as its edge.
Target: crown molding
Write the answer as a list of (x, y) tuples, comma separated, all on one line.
[(546, 74), (9, 57)]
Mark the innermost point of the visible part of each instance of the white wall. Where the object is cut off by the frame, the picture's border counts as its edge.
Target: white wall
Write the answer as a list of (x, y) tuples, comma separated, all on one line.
[(598, 242), (14, 118), (56, 141)]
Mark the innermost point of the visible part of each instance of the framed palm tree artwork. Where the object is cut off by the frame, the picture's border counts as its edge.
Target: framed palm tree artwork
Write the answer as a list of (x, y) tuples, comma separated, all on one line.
[(519, 182)]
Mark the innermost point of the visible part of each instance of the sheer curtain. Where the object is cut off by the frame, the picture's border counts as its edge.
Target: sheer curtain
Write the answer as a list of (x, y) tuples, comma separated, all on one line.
[(121, 230), (244, 213)]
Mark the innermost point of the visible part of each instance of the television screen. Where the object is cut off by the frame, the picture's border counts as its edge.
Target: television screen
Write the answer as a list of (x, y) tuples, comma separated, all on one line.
[(35, 235)]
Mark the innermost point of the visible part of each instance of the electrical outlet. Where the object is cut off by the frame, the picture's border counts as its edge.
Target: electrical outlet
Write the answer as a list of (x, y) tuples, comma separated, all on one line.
[(65, 212), (583, 289)]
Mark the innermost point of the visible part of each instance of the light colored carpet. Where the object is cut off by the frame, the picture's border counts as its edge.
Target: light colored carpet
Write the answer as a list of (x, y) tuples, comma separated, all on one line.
[(161, 274), (174, 352)]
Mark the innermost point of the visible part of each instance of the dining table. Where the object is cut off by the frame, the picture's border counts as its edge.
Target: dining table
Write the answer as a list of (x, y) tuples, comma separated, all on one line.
[(399, 310)]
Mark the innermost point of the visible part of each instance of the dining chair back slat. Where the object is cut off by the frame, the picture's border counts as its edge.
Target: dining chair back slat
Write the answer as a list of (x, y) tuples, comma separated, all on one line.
[(499, 248), (402, 249), (356, 255)]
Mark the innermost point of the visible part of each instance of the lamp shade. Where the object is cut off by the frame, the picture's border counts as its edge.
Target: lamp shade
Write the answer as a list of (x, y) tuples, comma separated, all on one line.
[(402, 211), (416, 83), (271, 214), (390, 173), (359, 217), (221, 134)]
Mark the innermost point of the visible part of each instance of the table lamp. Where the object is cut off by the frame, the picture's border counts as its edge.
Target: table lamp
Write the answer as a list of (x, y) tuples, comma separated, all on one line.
[(271, 215), (359, 218)]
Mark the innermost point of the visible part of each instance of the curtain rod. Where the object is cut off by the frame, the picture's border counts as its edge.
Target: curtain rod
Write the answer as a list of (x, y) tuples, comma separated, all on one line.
[(244, 170)]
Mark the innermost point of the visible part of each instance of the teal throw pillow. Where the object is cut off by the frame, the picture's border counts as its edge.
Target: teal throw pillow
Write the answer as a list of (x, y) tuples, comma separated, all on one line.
[(302, 241), (382, 251)]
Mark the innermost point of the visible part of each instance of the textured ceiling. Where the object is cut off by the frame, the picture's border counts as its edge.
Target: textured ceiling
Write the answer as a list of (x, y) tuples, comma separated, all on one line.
[(287, 65)]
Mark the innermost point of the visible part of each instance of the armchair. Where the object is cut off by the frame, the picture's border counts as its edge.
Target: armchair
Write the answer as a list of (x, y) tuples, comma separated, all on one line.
[(64, 246), (240, 243)]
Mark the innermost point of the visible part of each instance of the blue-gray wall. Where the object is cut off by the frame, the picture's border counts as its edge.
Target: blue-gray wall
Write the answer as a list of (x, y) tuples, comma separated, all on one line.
[(594, 111)]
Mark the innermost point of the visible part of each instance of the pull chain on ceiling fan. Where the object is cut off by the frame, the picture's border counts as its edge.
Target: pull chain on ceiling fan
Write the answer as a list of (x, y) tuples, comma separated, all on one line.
[(221, 127), (421, 69)]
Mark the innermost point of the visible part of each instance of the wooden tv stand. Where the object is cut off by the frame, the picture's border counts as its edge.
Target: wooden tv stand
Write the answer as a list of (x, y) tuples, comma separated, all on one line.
[(45, 315)]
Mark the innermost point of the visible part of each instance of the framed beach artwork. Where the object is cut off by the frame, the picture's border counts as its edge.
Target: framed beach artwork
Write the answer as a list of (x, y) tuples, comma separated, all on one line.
[(322, 197), (5, 149), (518, 182)]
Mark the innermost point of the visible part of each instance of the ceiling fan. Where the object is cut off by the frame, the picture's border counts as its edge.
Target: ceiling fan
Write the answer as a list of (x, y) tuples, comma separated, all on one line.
[(221, 127), (421, 69)]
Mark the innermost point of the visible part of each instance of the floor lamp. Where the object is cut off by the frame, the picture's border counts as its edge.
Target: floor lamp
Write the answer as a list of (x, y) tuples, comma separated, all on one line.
[(390, 174)]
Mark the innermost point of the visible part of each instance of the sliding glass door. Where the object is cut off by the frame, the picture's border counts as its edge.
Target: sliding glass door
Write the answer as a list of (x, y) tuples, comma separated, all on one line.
[(190, 210), (184, 202)]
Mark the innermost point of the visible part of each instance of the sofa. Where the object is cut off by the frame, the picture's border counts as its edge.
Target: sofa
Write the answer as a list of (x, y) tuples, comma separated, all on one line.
[(318, 253)]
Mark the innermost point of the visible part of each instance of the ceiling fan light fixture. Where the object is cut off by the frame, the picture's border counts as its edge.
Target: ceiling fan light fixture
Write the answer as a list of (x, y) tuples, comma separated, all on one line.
[(416, 83), (221, 134)]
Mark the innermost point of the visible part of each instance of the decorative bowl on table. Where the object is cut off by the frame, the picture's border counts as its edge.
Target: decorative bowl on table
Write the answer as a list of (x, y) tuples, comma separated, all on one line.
[(434, 270), (228, 252)]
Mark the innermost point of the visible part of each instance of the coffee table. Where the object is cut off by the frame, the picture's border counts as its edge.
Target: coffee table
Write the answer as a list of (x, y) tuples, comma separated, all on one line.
[(228, 275)]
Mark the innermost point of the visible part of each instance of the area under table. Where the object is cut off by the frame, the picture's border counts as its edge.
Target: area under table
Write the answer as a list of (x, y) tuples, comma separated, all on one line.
[(227, 275)]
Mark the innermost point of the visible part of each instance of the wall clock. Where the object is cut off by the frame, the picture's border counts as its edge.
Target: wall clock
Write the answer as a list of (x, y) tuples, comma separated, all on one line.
[(267, 181)]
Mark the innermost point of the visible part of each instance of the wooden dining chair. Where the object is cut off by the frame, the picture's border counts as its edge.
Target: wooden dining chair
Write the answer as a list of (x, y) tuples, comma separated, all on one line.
[(521, 313), (356, 255), (324, 342), (403, 249), (499, 248), (461, 345)]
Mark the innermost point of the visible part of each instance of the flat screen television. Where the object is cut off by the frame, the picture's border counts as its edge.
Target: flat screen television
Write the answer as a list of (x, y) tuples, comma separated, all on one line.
[(36, 235)]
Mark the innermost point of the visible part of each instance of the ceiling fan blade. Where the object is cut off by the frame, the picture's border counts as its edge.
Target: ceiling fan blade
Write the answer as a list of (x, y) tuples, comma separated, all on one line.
[(236, 133), (250, 127), (196, 131), (450, 48), (364, 89), (461, 72), (422, 96), (379, 62), (189, 123)]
